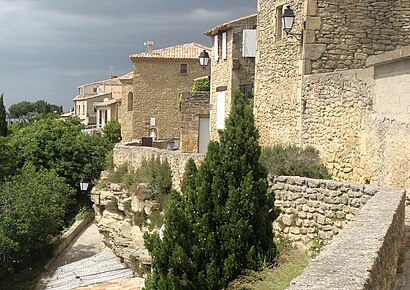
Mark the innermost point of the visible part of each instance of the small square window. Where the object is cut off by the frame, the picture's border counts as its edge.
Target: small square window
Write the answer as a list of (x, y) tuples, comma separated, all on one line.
[(94, 90), (183, 68)]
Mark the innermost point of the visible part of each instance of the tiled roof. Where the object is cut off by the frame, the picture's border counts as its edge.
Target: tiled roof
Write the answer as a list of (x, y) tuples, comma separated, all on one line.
[(127, 76), (103, 267), (87, 97), (112, 81), (181, 51), (227, 25), (107, 103)]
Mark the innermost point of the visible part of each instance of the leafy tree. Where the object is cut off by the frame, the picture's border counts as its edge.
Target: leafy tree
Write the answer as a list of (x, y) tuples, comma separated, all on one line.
[(7, 161), (62, 147), (220, 224), (27, 109), (32, 208), (112, 131), (3, 121)]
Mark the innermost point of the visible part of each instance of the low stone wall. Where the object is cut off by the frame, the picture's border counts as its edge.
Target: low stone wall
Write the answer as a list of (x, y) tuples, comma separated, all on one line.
[(134, 155), (364, 255), (312, 211)]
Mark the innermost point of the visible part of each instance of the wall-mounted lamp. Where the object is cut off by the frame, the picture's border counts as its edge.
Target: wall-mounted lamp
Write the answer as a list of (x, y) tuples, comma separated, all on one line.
[(84, 183), (204, 59), (288, 19)]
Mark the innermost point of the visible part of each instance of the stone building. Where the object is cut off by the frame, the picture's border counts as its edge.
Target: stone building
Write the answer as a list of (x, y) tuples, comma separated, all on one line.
[(195, 134), (158, 78), (91, 95), (232, 66), (339, 81)]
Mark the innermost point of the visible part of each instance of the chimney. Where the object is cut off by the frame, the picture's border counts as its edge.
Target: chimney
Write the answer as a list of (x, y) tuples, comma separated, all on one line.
[(150, 46)]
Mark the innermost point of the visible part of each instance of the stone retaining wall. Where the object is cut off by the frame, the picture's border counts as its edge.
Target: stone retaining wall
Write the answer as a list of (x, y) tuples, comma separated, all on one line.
[(312, 211), (134, 155), (364, 255)]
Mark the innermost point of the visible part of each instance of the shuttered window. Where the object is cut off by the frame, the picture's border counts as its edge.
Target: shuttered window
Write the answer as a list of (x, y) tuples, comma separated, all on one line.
[(249, 43), (216, 52), (224, 45)]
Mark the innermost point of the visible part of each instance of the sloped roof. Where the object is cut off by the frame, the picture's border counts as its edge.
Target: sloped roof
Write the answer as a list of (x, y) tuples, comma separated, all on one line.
[(127, 76), (87, 97), (227, 25), (107, 103), (111, 81), (181, 51)]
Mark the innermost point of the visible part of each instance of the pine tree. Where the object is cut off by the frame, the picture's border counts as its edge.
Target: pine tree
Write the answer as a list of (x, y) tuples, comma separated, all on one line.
[(220, 224), (3, 121)]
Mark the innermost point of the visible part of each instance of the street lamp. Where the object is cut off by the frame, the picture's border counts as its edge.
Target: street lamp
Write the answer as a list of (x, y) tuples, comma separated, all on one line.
[(84, 183), (288, 19), (204, 59)]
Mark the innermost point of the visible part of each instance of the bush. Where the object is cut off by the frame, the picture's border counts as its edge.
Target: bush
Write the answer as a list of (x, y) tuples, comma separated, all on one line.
[(112, 131), (294, 161), (202, 85)]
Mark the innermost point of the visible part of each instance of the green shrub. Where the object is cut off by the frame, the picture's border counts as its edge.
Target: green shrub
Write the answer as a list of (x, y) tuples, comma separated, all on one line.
[(112, 131), (202, 85), (294, 161), (116, 176)]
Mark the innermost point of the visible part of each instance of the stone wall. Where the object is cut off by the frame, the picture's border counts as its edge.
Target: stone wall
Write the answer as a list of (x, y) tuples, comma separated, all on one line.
[(194, 106), (365, 254), (333, 107), (134, 155), (157, 85), (127, 115), (313, 211), (278, 75), (346, 32)]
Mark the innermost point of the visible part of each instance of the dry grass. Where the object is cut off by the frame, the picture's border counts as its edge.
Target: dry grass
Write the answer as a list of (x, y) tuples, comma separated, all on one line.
[(290, 264)]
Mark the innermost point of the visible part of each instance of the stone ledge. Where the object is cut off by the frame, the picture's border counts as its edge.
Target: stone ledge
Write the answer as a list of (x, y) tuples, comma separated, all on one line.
[(365, 254), (389, 56)]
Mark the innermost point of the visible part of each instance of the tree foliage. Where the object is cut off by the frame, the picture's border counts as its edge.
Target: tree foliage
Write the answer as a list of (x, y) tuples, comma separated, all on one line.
[(29, 109), (32, 208), (220, 224), (112, 131), (62, 147), (3, 116)]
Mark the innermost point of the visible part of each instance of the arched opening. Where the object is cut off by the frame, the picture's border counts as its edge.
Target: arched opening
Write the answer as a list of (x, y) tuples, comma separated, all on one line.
[(130, 101)]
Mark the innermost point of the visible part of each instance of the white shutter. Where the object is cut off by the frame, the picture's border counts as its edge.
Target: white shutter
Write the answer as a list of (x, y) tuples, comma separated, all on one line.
[(216, 52), (224, 45), (249, 43), (220, 110)]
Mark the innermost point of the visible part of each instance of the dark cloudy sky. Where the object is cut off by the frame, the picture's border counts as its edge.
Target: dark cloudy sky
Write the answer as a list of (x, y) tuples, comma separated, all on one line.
[(49, 47)]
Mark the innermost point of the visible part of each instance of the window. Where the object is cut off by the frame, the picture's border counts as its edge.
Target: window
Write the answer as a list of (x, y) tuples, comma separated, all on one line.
[(249, 43), (279, 30), (216, 44), (220, 110), (94, 90), (130, 101), (183, 68), (223, 45)]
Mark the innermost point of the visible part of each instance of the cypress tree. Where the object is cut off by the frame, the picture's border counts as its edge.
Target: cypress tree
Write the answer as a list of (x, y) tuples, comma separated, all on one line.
[(220, 224), (3, 121)]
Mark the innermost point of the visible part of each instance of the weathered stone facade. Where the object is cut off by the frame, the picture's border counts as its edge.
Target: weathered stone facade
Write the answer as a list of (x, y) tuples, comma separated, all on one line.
[(230, 71), (134, 155), (159, 77), (127, 106), (194, 106), (325, 91)]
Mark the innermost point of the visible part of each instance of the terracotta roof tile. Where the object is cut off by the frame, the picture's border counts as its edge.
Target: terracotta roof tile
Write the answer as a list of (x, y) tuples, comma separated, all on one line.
[(181, 51), (127, 76)]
